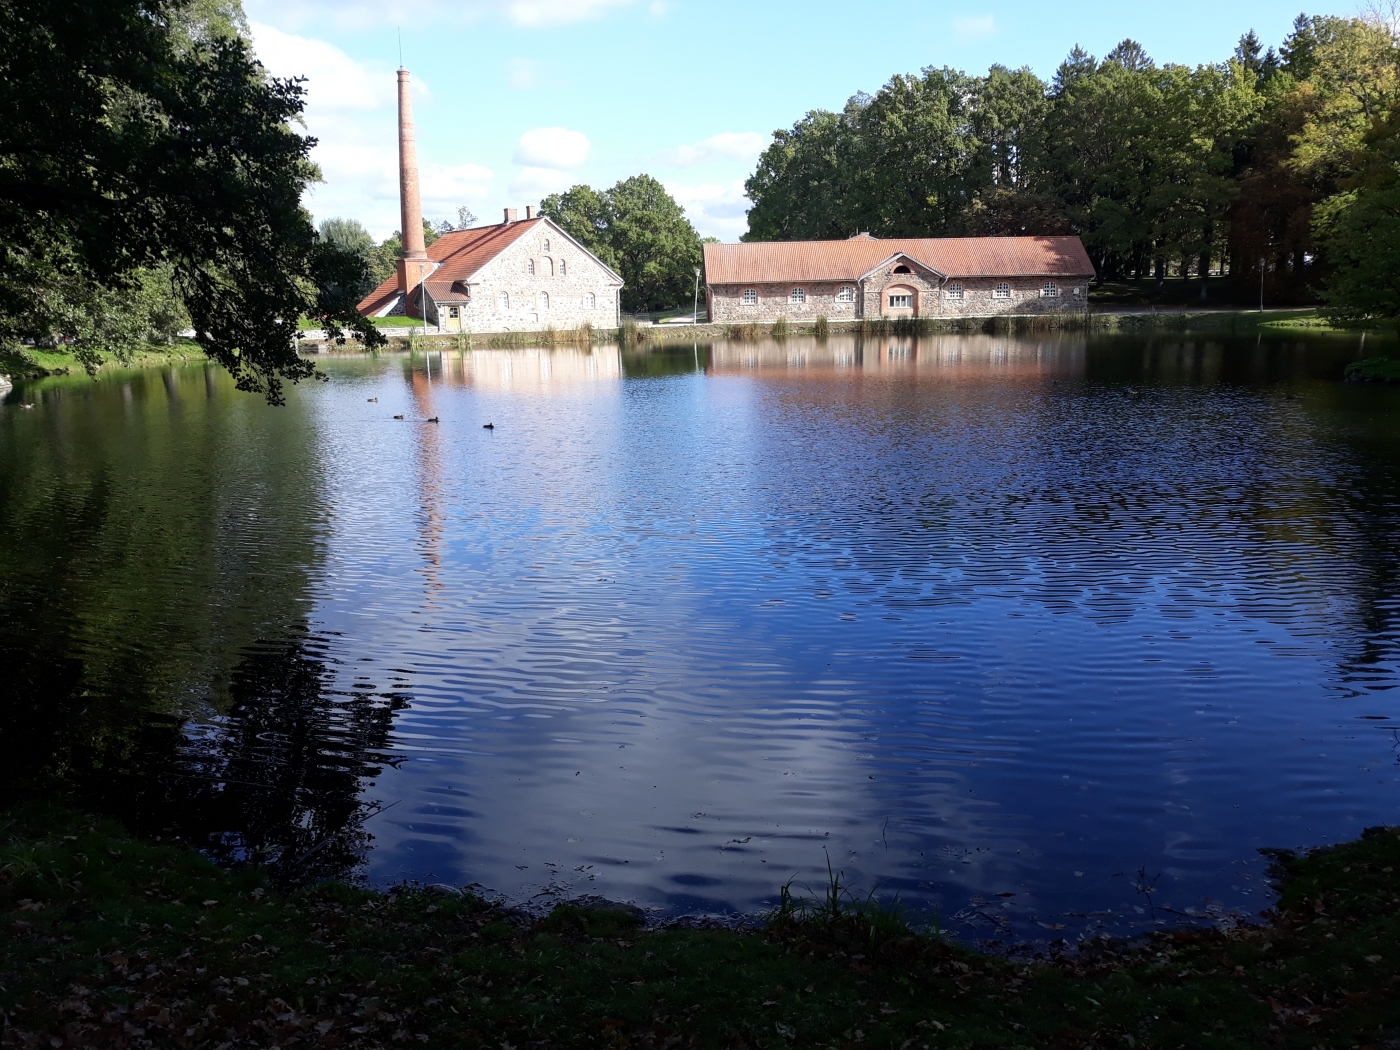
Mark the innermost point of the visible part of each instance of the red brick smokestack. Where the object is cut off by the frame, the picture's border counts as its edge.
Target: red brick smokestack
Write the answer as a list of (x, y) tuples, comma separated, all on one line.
[(413, 263)]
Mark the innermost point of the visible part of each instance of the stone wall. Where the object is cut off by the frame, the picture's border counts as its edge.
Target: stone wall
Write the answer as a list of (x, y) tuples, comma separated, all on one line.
[(931, 297), (525, 311), (774, 301)]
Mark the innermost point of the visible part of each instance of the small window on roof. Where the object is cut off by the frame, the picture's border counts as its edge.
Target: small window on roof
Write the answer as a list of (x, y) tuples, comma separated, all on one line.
[(797, 296), (846, 295), (954, 291), (1002, 291)]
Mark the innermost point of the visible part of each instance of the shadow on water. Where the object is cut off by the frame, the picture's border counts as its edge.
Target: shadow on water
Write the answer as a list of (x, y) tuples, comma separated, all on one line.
[(156, 546)]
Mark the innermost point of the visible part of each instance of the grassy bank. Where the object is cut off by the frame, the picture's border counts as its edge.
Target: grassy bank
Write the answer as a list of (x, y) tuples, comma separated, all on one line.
[(35, 363), (115, 942)]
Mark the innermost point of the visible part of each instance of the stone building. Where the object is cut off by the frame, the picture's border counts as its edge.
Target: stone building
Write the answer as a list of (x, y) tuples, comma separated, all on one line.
[(519, 276), (523, 275), (866, 277)]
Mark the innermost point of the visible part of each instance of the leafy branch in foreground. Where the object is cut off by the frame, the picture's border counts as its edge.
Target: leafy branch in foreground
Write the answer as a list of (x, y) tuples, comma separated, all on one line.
[(132, 144)]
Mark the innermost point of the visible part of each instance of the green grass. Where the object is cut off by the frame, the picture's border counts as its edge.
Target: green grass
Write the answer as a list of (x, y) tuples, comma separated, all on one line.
[(111, 941), (1374, 370), (34, 363)]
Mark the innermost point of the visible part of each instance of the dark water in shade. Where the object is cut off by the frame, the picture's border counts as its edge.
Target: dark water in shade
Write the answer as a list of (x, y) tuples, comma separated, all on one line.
[(1036, 634)]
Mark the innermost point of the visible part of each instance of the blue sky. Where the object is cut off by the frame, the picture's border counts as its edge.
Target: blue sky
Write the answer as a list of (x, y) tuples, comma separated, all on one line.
[(519, 98)]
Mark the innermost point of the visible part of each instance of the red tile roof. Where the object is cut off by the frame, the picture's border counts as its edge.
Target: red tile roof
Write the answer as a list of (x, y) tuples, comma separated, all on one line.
[(461, 255), (766, 262)]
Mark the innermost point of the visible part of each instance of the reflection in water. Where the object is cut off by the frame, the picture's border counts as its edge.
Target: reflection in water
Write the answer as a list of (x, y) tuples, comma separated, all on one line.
[(277, 780), (969, 615), (153, 527), (947, 356)]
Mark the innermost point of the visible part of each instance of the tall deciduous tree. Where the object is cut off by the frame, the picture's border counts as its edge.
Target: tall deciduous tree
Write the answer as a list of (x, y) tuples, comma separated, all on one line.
[(141, 134), (637, 228)]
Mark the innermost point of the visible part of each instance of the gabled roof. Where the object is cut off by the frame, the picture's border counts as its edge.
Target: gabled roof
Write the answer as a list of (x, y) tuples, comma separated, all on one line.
[(463, 254), (767, 262)]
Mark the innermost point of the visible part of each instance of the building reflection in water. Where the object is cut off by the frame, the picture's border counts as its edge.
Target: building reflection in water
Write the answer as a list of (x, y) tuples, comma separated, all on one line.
[(950, 356), (524, 370)]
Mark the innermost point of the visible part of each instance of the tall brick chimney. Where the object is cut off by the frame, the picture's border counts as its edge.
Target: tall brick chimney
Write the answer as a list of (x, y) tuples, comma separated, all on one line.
[(509, 214), (413, 262), (529, 211)]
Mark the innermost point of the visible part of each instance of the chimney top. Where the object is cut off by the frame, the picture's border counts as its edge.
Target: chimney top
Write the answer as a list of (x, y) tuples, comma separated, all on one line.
[(510, 215), (529, 211)]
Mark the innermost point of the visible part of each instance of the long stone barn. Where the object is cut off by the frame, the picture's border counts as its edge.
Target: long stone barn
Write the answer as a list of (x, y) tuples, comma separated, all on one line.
[(867, 277), (522, 275)]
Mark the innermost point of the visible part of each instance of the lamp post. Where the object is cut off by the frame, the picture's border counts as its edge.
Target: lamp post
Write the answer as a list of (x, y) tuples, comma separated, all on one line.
[(695, 306), (1262, 262)]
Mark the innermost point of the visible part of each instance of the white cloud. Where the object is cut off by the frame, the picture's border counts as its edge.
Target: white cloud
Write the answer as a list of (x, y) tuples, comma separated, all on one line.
[(557, 148), (970, 27), (364, 14), (531, 184), (742, 146), (559, 12), (351, 109), (715, 209)]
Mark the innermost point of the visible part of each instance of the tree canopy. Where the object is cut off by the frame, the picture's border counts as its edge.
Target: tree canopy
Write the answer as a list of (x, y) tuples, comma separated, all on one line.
[(143, 141), (638, 229), (1159, 167)]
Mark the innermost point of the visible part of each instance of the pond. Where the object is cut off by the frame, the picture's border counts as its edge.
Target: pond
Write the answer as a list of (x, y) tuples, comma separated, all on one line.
[(1041, 636)]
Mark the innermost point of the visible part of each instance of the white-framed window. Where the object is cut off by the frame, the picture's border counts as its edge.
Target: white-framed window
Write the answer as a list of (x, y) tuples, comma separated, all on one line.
[(797, 297), (543, 300), (750, 297), (530, 267), (846, 295), (1050, 290), (1078, 292), (590, 301), (546, 244), (901, 300), (954, 291), (1002, 291), (563, 268), (452, 311), (502, 300)]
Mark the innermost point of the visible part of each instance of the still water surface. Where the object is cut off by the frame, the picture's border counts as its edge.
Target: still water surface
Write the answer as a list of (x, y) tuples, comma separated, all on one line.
[(1041, 635)]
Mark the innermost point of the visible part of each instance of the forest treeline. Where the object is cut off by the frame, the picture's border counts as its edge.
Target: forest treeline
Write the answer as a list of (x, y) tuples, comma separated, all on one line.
[(1285, 156)]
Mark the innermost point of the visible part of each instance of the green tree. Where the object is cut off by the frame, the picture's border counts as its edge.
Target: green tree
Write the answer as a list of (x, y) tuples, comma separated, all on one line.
[(637, 228), (133, 141), (1360, 229)]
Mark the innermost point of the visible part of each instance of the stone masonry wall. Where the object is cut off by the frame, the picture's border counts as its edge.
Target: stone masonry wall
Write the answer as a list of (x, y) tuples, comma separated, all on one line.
[(932, 299), (567, 294)]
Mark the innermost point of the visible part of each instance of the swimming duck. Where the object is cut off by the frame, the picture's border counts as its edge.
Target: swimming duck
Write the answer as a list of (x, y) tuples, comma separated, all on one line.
[(489, 426), (398, 417), (372, 400), (434, 419)]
